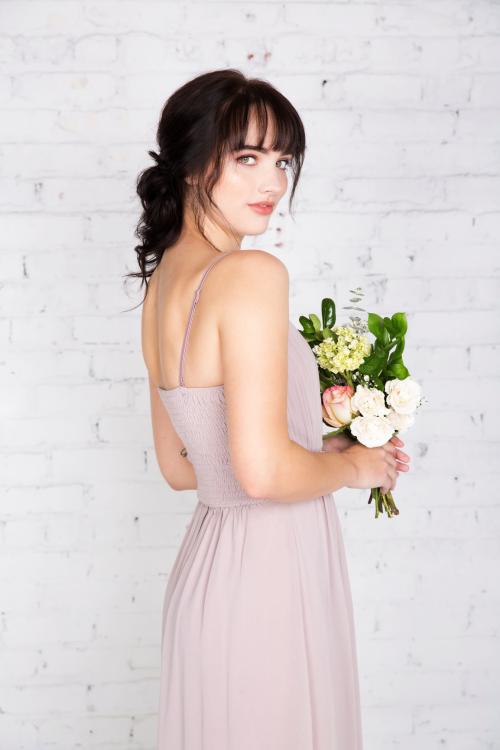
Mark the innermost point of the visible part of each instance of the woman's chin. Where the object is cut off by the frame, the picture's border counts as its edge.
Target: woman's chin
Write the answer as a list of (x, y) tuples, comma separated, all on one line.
[(257, 226)]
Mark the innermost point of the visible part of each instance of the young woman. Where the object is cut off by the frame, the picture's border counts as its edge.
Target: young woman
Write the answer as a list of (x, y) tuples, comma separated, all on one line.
[(258, 640)]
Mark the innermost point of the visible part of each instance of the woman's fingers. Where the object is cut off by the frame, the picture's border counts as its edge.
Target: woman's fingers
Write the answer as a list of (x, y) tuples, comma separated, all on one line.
[(398, 461), (403, 460), (397, 454), (397, 441), (393, 478)]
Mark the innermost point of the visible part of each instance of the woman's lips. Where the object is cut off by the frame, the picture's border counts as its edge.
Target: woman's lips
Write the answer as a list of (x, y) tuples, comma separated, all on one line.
[(261, 208)]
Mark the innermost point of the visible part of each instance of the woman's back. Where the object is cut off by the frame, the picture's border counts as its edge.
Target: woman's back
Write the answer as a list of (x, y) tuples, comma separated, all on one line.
[(198, 411), (166, 312)]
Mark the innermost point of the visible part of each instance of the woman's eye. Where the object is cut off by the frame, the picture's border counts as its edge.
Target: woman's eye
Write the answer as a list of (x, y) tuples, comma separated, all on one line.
[(246, 156), (287, 162)]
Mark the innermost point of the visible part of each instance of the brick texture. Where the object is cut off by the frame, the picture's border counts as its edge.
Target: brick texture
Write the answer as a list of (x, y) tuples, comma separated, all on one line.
[(400, 195)]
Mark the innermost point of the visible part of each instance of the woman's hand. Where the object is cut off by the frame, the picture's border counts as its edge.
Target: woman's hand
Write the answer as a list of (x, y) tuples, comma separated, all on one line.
[(401, 465), (341, 442), (337, 443)]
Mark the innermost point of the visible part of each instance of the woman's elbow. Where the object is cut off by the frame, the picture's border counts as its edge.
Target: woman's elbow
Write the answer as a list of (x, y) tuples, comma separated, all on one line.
[(258, 478), (172, 482), (179, 480)]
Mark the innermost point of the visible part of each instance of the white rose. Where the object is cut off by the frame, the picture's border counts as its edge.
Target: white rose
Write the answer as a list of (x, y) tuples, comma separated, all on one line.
[(400, 422), (372, 431), (403, 395), (369, 401)]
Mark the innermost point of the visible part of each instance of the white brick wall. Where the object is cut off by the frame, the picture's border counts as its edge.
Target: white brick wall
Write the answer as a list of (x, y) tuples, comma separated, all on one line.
[(400, 194)]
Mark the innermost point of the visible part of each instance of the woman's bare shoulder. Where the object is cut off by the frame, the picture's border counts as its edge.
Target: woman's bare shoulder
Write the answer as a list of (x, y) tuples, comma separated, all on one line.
[(258, 257), (250, 264), (247, 275), (247, 280)]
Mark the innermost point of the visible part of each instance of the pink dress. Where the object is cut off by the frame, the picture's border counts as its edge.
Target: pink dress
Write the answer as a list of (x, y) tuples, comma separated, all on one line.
[(258, 640)]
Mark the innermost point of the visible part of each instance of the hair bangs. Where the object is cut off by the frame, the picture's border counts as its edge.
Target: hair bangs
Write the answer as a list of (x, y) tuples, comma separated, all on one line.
[(271, 111)]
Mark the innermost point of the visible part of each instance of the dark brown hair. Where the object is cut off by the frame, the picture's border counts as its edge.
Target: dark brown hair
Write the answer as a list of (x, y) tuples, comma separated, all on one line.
[(203, 121)]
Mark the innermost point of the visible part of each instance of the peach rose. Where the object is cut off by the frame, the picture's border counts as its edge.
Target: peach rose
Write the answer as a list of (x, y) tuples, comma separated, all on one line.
[(337, 410)]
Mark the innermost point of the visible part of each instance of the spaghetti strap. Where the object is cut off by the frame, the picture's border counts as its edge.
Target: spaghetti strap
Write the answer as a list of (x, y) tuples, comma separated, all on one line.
[(191, 312)]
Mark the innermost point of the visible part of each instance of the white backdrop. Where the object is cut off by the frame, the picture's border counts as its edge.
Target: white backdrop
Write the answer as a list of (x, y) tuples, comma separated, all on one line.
[(400, 194)]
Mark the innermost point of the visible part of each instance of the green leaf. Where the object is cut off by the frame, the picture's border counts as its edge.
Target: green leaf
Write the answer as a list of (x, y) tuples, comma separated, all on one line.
[(386, 339), (375, 363), (399, 323), (306, 324), (388, 326), (398, 351), (398, 370), (328, 312), (315, 321), (311, 338), (376, 325)]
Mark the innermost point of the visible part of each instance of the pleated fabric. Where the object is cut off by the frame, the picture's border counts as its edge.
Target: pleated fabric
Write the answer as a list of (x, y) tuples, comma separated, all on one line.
[(258, 639)]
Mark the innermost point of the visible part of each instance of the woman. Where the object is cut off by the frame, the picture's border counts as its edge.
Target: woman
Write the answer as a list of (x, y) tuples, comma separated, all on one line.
[(258, 640)]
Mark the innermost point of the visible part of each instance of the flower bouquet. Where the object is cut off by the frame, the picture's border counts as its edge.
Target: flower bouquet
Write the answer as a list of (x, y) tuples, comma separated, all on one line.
[(366, 390)]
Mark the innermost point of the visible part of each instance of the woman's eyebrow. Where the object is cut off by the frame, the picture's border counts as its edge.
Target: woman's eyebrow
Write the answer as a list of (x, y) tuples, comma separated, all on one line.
[(254, 148)]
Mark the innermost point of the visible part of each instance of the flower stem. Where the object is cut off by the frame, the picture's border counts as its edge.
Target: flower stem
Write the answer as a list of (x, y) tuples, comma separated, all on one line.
[(383, 502), (347, 376)]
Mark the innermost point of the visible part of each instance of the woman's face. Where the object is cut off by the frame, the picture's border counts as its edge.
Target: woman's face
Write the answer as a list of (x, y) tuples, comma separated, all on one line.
[(250, 176)]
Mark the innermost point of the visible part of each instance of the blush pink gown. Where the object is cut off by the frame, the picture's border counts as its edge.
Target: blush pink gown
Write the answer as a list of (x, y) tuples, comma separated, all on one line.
[(258, 639)]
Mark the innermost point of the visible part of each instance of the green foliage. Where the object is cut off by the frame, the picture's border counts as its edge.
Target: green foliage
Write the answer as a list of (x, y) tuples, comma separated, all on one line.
[(314, 330), (315, 321), (385, 361), (328, 312)]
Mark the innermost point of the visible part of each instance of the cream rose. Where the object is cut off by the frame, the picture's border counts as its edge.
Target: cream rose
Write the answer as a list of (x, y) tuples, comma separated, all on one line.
[(372, 431), (370, 402), (337, 410), (403, 395), (400, 422)]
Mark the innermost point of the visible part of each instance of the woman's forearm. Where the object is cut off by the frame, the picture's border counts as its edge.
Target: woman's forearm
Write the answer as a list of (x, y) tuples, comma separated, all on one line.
[(180, 474), (302, 474)]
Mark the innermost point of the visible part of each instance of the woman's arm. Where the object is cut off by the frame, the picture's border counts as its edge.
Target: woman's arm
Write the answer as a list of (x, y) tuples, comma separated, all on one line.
[(253, 321), (177, 469)]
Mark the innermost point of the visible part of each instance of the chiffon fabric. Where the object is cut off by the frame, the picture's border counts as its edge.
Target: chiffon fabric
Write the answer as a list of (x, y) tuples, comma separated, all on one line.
[(258, 639)]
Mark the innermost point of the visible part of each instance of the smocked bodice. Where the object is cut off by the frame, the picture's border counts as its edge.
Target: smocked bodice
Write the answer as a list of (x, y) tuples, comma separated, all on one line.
[(199, 418)]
